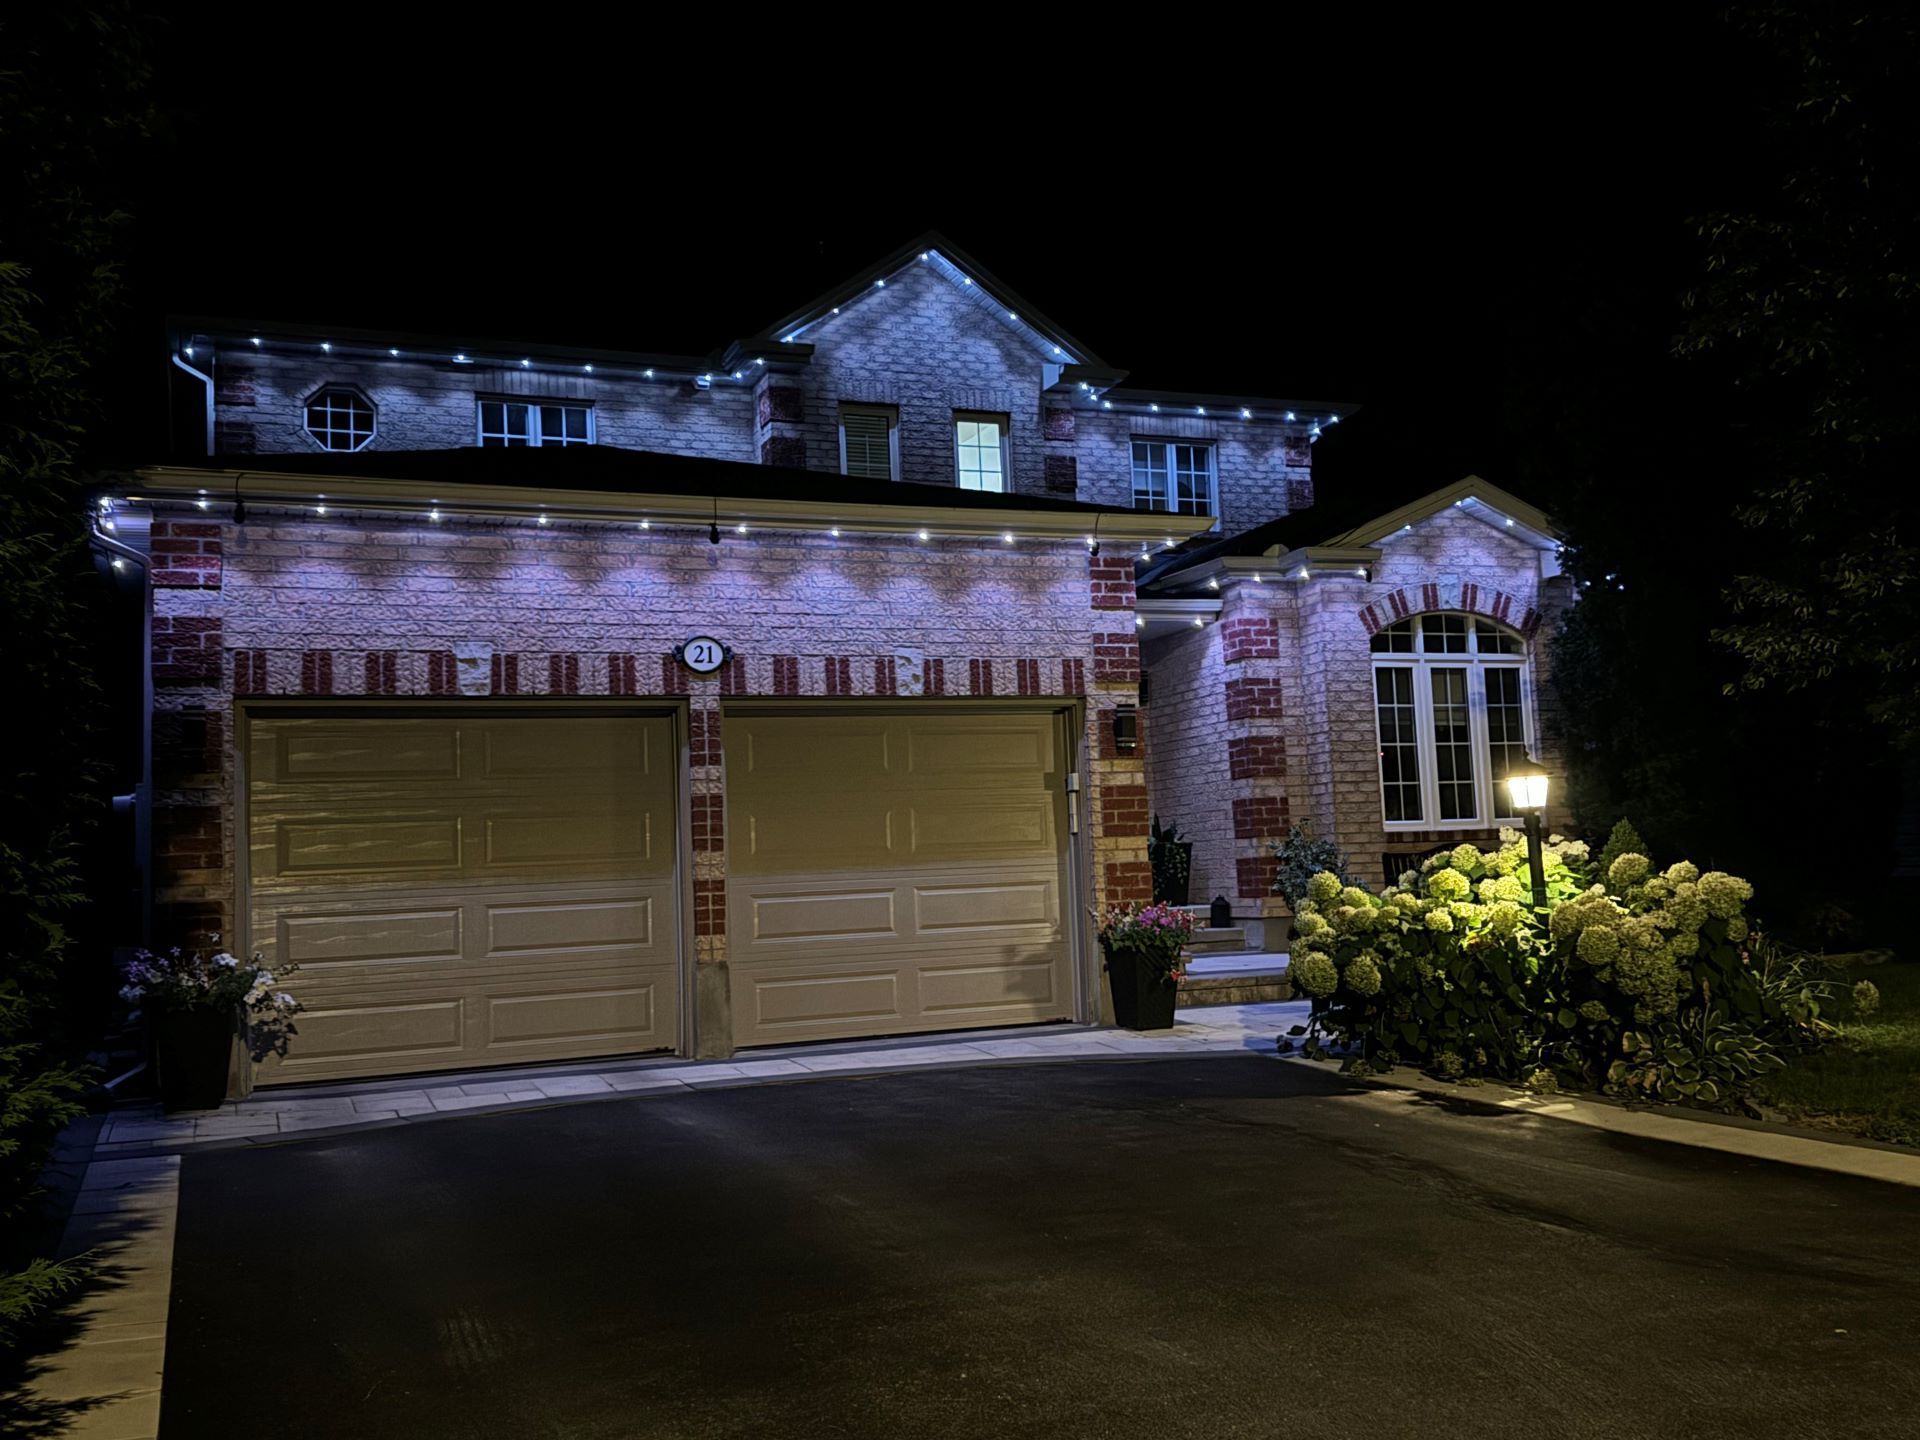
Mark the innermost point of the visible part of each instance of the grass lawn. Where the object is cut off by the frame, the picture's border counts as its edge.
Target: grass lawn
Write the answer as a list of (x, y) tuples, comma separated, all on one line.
[(1867, 1081)]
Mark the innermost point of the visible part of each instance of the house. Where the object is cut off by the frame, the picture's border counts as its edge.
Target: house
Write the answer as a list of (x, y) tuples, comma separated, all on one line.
[(543, 704)]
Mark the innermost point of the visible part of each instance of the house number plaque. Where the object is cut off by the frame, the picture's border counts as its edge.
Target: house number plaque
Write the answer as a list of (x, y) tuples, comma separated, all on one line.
[(703, 654)]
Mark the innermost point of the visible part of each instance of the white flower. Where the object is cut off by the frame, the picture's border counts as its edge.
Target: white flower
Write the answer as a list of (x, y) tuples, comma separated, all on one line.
[(224, 960)]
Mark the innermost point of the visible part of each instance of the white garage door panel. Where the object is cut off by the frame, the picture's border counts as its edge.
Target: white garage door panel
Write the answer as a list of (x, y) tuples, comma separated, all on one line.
[(913, 884), (517, 906)]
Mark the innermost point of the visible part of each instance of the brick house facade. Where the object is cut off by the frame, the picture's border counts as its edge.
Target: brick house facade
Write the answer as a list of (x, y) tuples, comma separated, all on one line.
[(412, 572)]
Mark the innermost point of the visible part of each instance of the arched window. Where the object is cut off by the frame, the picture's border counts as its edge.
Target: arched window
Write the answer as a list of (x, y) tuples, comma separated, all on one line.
[(339, 418), (1450, 703)]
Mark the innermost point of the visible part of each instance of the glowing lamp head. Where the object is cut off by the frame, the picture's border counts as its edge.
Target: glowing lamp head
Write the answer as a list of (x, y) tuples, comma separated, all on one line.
[(1527, 785)]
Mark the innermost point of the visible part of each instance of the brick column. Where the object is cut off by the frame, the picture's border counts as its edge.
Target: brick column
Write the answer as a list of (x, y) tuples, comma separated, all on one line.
[(1255, 710), (1118, 783), (779, 412)]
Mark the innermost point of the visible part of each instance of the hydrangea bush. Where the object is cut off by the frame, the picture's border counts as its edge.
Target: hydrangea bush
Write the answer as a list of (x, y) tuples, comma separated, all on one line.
[(1635, 980), (196, 979)]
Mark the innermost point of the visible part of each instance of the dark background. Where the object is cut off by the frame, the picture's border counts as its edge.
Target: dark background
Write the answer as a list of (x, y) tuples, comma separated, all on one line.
[(1376, 210)]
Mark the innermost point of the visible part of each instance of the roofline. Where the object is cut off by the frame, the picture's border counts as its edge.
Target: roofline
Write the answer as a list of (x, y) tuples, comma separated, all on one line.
[(374, 492), (924, 243), (1311, 411), (1540, 530), (431, 346)]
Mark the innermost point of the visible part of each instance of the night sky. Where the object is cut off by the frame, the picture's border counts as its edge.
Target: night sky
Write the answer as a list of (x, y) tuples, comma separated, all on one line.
[(1366, 210)]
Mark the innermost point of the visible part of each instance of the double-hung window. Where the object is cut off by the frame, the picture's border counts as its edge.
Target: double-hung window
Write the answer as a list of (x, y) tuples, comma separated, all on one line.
[(1450, 710), (530, 422), (980, 451), (870, 441), (1174, 476)]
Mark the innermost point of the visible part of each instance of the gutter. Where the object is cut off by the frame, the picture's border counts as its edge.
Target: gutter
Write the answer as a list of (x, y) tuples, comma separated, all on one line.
[(139, 803), (207, 381)]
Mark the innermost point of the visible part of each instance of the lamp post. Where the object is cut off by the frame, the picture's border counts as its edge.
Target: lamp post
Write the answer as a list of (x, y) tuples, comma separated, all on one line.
[(1527, 788)]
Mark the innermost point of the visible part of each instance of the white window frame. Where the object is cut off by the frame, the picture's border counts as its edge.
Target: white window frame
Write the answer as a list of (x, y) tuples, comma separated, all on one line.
[(1490, 808), (1165, 443), (322, 394), (984, 417), (534, 438), (889, 413)]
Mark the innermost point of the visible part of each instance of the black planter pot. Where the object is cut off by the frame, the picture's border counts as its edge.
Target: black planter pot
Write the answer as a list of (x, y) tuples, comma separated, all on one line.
[(1169, 889), (193, 1051), (1142, 1000)]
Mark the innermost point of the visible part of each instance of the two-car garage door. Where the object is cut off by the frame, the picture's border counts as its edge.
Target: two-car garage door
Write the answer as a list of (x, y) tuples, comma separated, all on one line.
[(464, 891), (471, 888)]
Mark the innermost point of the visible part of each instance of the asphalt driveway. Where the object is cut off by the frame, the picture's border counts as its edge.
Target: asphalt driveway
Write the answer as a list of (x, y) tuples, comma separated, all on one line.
[(1195, 1247)]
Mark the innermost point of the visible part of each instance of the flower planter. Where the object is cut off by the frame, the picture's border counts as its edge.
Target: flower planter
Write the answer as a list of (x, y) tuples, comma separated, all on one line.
[(193, 1053), (1142, 999)]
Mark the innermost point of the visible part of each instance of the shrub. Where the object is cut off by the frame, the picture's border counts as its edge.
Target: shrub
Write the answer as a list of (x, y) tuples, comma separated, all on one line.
[(1302, 857), (1866, 998), (1645, 983), (1623, 840), (1170, 861)]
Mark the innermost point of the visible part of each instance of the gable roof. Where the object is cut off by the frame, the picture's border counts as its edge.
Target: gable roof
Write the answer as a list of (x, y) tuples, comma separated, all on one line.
[(935, 250), (1360, 519)]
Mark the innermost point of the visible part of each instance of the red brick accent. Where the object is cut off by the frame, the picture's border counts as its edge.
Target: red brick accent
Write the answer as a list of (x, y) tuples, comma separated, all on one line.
[(188, 836), (709, 822), (190, 922), (1057, 422), (979, 677), (1475, 599), (1123, 810), (1073, 676), (186, 555), (1255, 874), (1116, 658), (1128, 881), (563, 674), (839, 675), (186, 650), (1111, 577), (1260, 817), (249, 672), (703, 737), (782, 404), (1257, 757), (1250, 637), (1027, 676), (733, 676), (383, 672), (673, 676), (786, 674), (709, 907), (1530, 623), (886, 675), (185, 742), (787, 450), (1251, 698), (316, 672), (936, 677), (623, 675), (1061, 473), (506, 674), (1299, 487), (1430, 596)]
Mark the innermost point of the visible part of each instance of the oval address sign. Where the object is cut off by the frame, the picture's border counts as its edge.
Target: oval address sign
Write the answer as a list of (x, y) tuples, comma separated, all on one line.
[(703, 654)]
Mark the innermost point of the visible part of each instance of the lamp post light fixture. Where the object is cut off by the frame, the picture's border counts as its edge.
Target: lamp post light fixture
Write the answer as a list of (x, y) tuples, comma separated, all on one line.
[(1527, 789)]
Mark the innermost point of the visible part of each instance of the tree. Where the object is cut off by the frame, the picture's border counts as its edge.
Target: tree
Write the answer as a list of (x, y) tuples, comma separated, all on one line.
[(1811, 304), (73, 115)]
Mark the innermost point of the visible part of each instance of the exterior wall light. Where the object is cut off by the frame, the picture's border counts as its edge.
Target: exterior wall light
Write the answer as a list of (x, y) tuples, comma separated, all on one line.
[(1126, 729)]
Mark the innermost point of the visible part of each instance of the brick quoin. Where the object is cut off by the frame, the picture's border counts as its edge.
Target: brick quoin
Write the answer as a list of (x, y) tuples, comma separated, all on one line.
[(839, 670), (1062, 474), (186, 650), (733, 676), (506, 674), (1116, 659), (709, 822), (1123, 809), (623, 675), (1057, 423), (673, 676), (1027, 675), (1250, 637), (563, 674), (382, 672), (1253, 699), (1260, 817), (1254, 874), (1128, 882), (1111, 579), (979, 677), (786, 675), (936, 677), (709, 907), (786, 450), (189, 836), (886, 679), (249, 672), (1257, 757), (1073, 676), (703, 737), (186, 555)]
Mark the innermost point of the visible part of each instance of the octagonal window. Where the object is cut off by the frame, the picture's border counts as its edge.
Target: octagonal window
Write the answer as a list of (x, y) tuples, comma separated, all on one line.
[(340, 419)]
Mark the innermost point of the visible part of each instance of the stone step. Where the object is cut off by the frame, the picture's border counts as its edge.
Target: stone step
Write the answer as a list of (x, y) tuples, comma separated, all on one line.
[(1226, 938), (1233, 988)]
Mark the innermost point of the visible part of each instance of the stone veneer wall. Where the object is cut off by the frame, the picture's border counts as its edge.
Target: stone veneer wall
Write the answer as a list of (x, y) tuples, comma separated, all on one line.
[(292, 605)]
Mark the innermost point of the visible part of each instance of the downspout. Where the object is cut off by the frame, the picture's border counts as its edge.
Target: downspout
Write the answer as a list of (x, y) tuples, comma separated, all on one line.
[(140, 802), (207, 382)]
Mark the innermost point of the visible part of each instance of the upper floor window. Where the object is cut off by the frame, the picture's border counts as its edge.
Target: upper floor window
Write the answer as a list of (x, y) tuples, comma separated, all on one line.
[(1173, 475), (980, 451), (340, 419), (1452, 718), (523, 422), (870, 441)]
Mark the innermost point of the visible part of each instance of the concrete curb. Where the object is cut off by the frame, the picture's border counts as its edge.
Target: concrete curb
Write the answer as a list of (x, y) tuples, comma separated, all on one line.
[(1753, 1139)]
